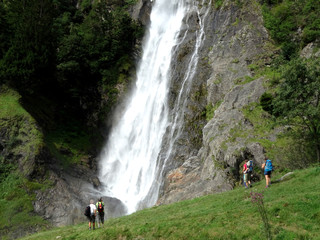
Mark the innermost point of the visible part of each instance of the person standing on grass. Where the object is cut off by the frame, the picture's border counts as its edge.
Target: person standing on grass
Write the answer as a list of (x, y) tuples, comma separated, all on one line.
[(93, 213), (249, 171), (267, 167), (100, 207), (245, 173)]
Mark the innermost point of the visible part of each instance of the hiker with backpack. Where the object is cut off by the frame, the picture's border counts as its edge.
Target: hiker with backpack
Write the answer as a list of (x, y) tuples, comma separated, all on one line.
[(268, 168), (245, 173), (100, 207), (91, 212), (249, 171)]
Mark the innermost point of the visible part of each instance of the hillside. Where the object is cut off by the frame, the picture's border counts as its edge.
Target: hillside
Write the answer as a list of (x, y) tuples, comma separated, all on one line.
[(292, 206)]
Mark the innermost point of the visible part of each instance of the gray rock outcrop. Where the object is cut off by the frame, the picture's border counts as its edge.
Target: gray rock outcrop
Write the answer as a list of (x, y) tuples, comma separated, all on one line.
[(235, 38), (141, 11), (70, 192)]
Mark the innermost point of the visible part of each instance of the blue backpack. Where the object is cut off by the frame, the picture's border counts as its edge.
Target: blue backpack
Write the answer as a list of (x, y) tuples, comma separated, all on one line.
[(250, 166), (268, 166)]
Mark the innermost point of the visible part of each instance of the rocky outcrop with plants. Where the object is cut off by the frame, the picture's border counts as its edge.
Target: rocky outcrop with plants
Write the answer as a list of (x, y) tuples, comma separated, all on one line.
[(224, 90), (231, 111)]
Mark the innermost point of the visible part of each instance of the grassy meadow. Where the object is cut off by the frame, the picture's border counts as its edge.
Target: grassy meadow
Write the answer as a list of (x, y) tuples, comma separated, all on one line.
[(292, 207)]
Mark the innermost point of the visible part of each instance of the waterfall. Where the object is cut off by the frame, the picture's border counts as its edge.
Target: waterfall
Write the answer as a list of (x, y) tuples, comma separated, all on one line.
[(129, 169)]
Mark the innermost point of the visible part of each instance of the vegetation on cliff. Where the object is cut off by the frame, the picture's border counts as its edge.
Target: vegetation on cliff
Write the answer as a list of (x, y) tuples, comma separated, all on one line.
[(292, 24), (20, 143), (291, 100)]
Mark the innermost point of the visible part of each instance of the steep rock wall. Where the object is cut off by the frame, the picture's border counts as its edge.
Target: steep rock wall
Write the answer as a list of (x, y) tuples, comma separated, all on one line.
[(207, 156)]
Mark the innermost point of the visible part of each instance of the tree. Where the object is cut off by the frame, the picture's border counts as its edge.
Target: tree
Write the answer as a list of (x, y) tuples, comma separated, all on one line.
[(4, 31), (298, 99), (29, 60), (91, 55)]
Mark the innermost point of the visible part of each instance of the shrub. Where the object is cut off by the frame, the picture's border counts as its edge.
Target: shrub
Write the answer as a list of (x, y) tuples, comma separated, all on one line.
[(266, 102)]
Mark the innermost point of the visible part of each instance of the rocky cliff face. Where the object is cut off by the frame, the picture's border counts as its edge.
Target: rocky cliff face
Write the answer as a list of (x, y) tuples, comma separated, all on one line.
[(208, 154)]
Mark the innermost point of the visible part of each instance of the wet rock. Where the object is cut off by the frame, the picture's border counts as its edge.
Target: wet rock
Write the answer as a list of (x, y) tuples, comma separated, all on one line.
[(141, 11)]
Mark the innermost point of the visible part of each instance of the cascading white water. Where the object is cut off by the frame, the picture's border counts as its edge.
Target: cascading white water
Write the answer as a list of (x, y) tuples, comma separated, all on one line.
[(180, 105), (176, 121), (129, 160)]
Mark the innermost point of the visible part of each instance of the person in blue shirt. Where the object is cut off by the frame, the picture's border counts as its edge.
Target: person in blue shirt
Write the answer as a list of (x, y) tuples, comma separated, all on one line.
[(267, 167)]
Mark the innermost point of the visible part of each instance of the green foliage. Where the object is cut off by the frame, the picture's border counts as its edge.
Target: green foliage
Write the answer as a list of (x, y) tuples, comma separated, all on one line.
[(244, 80), (16, 201), (263, 122), (311, 21), (28, 60), (130, 2), (92, 54), (17, 121), (210, 109), (286, 149), (266, 102), (280, 21), (298, 98), (284, 19), (218, 216), (218, 3), (264, 127), (70, 143), (295, 152), (9, 103), (4, 33)]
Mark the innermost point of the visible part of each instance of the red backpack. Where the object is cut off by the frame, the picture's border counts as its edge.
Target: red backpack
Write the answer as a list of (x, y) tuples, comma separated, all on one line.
[(100, 207)]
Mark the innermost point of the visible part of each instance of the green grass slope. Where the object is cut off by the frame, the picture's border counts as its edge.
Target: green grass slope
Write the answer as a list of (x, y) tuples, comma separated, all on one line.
[(21, 140), (292, 206)]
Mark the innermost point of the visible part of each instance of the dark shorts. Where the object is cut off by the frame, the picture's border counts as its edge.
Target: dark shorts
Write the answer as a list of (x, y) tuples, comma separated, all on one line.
[(267, 173), (92, 218), (101, 217)]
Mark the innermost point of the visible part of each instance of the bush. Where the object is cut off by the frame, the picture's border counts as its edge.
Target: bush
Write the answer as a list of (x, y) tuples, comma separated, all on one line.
[(266, 102), (292, 24)]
